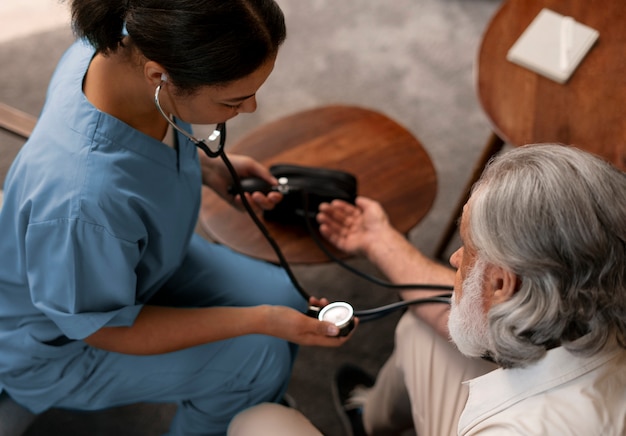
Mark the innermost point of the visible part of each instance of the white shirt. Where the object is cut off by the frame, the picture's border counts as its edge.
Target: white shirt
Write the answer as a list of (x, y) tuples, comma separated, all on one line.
[(561, 394)]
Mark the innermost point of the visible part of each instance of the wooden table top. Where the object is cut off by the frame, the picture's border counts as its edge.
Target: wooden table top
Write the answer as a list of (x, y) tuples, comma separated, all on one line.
[(390, 164), (589, 111)]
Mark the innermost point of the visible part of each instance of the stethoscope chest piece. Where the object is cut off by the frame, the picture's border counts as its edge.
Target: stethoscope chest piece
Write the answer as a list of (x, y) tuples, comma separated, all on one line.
[(339, 313)]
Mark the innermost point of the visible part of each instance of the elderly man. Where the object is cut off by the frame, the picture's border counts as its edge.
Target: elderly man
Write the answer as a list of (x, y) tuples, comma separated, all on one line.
[(538, 315)]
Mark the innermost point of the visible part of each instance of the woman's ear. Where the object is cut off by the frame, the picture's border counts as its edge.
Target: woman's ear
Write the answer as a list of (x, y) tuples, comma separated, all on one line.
[(154, 73), (502, 284)]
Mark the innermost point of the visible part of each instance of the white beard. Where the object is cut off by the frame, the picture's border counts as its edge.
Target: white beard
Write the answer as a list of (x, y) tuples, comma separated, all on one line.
[(467, 324)]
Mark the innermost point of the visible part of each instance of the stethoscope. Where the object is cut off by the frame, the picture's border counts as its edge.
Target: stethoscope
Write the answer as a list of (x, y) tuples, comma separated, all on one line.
[(340, 313), (218, 133)]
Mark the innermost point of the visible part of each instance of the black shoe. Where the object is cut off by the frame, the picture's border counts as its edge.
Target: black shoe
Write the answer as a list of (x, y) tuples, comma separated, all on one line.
[(349, 380)]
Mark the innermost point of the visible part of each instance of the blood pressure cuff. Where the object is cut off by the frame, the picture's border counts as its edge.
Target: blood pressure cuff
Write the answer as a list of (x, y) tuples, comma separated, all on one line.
[(305, 188)]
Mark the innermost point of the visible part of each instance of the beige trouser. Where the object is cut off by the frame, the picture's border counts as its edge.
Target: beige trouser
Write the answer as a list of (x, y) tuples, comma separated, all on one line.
[(420, 386), (269, 419)]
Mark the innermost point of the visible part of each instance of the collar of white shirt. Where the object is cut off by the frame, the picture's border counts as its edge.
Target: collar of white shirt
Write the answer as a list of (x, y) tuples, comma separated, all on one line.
[(500, 389)]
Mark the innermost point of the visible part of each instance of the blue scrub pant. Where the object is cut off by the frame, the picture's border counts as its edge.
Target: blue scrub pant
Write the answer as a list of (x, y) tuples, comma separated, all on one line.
[(212, 382)]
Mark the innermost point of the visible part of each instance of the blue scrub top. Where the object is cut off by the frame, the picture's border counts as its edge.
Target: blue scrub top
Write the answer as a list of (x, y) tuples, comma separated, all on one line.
[(96, 217)]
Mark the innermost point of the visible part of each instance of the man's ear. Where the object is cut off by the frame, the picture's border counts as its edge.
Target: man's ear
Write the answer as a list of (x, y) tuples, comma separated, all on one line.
[(154, 73), (502, 284)]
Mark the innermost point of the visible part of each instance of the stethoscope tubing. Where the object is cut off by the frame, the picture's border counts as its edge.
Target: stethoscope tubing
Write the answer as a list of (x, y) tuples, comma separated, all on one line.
[(219, 134), (363, 315)]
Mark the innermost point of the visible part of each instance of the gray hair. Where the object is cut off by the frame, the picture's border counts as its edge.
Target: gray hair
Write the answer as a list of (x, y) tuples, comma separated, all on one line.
[(556, 217)]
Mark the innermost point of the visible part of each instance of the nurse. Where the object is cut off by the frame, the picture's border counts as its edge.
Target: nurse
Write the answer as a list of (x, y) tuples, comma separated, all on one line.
[(107, 297)]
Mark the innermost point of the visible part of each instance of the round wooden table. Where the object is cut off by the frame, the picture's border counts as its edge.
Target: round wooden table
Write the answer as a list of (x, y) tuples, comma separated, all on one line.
[(390, 164), (589, 111)]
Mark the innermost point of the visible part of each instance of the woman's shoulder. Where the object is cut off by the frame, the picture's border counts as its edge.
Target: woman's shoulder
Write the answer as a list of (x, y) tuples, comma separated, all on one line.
[(73, 65)]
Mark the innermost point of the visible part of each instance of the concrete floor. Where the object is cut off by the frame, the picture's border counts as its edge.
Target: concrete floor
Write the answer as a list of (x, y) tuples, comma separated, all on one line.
[(19, 18)]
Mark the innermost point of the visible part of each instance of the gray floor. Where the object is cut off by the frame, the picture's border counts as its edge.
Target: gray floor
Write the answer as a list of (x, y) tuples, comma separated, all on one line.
[(409, 59)]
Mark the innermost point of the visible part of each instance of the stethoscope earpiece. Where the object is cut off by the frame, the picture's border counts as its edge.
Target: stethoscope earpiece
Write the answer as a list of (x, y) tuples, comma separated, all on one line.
[(217, 136)]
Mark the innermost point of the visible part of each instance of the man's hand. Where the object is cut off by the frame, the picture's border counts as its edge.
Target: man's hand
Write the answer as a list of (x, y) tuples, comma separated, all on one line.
[(353, 228)]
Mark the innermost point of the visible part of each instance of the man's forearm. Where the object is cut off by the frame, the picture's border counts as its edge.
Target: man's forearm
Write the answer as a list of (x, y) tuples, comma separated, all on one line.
[(401, 262)]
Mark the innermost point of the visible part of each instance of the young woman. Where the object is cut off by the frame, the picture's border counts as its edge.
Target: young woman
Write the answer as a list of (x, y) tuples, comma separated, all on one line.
[(106, 295)]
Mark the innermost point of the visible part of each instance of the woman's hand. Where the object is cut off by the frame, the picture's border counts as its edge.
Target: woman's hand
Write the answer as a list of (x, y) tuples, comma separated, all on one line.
[(296, 327), (353, 228), (217, 177)]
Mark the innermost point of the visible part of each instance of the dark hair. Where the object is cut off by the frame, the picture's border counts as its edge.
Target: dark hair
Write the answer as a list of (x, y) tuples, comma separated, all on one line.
[(198, 42)]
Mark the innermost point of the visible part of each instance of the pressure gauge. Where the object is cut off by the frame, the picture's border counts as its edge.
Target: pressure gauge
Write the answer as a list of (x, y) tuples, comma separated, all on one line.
[(339, 313)]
